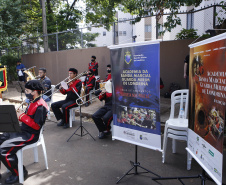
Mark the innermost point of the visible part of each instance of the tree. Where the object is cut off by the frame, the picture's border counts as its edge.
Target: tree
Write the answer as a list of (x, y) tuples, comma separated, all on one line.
[(103, 11), (12, 20)]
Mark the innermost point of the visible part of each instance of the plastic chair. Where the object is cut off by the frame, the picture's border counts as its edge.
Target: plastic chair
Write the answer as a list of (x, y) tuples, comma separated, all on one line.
[(35, 147), (51, 100), (176, 128), (72, 115)]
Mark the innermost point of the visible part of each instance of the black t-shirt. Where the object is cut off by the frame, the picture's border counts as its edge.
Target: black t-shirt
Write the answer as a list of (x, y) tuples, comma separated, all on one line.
[(186, 60)]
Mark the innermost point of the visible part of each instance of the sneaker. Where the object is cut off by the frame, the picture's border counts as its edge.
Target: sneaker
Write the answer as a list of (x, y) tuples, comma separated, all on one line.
[(101, 135), (107, 133), (61, 123), (66, 125)]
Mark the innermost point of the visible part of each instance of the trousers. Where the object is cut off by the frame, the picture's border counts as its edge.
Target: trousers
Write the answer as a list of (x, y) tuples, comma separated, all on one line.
[(11, 144), (65, 105), (103, 118)]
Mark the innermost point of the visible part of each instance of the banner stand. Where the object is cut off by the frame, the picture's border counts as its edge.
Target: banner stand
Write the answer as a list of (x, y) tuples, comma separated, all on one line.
[(202, 176), (82, 128), (135, 165)]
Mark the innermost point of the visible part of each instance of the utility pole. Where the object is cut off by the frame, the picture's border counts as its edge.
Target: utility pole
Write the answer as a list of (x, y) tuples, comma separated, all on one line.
[(44, 26)]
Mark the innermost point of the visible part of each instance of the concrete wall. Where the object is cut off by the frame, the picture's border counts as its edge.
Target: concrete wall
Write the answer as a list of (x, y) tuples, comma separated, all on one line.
[(172, 54), (58, 63)]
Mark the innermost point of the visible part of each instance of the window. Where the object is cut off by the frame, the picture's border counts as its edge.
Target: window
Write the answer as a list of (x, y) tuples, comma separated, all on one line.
[(147, 28), (104, 33), (190, 20), (124, 33)]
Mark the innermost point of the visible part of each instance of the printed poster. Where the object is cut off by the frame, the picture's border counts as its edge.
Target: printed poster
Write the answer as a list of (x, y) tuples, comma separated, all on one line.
[(207, 84), (136, 93)]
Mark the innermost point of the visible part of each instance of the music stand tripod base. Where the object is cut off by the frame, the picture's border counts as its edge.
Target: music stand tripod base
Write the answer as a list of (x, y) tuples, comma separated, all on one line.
[(135, 165), (82, 128)]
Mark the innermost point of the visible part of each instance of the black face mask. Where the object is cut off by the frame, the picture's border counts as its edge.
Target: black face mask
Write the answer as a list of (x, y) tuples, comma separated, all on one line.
[(92, 60), (109, 71), (29, 96), (90, 74)]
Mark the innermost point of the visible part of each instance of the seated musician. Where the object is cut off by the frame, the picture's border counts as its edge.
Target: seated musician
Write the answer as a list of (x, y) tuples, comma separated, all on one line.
[(46, 82), (93, 65), (104, 115), (32, 121), (72, 94), (89, 84)]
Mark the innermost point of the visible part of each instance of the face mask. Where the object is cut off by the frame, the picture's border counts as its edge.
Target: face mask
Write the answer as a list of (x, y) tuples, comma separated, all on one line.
[(109, 71), (92, 60), (29, 96), (90, 74)]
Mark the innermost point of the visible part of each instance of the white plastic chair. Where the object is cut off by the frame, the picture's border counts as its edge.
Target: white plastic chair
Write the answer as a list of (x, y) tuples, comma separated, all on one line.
[(35, 147), (72, 115), (51, 100), (176, 128)]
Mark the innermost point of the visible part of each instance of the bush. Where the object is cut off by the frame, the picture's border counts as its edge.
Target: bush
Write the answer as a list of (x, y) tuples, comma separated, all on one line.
[(10, 62), (187, 34)]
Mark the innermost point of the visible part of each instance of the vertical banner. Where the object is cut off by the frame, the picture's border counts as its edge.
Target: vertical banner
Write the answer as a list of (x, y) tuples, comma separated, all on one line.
[(207, 108), (136, 90)]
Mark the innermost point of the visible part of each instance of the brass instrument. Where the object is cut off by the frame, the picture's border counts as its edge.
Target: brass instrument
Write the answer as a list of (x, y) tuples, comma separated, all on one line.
[(75, 78), (107, 87), (31, 73)]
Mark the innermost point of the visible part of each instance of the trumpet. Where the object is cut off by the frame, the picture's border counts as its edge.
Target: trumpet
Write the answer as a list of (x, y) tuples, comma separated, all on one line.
[(107, 87), (75, 78)]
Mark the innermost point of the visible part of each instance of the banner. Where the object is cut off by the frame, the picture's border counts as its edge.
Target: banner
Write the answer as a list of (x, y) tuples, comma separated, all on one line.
[(3, 79), (207, 84), (136, 91)]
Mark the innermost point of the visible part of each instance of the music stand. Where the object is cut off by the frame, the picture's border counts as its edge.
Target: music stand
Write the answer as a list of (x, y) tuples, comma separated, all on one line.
[(20, 87), (82, 127), (8, 121)]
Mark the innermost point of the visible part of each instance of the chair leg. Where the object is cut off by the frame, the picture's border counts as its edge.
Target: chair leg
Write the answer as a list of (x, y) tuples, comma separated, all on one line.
[(189, 159), (70, 118), (73, 115), (35, 154), (20, 166), (164, 144), (174, 146), (44, 152)]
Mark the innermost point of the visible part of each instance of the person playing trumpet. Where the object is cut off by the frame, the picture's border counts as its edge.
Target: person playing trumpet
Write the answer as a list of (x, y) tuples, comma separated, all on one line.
[(104, 115), (32, 120), (89, 84), (72, 93)]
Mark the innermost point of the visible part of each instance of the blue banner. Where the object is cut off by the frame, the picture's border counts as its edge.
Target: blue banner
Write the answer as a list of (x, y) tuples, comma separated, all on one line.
[(136, 93)]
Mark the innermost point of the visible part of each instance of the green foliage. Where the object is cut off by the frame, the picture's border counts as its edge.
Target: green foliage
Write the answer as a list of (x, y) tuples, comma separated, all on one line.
[(187, 34), (103, 11), (10, 62)]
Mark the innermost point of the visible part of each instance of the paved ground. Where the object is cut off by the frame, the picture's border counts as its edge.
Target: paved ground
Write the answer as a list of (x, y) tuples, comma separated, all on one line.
[(83, 161)]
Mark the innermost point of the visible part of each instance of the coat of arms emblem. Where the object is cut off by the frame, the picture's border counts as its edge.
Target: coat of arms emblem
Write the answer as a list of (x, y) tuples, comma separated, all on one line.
[(128, 57)]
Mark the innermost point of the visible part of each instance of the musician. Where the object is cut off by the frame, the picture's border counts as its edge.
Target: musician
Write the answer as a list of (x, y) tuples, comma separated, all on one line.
[(89, 84), (46, 82), (20, 71), (93, 65), (32, 121), (72, 94), (104, 115)]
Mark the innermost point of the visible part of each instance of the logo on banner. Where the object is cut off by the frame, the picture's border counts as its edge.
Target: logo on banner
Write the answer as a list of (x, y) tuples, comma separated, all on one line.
[(128, 57), (211, 153), (217, 172), (143, 137)]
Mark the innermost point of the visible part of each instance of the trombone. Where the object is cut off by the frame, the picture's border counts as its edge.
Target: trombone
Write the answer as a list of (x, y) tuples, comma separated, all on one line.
[(107, 87), (75, 78)]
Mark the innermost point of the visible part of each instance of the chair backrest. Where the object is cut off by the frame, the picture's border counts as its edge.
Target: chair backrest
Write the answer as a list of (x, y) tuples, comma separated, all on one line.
[(52, 90), (179, 97)]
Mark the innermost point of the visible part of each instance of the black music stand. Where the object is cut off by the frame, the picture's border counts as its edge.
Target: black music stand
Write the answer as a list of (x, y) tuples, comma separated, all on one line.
[(8, 121), (20, 87), (82, 128), (134, 166)]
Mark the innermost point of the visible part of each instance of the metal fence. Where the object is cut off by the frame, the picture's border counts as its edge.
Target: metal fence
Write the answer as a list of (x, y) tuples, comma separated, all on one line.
[(124, 31)]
